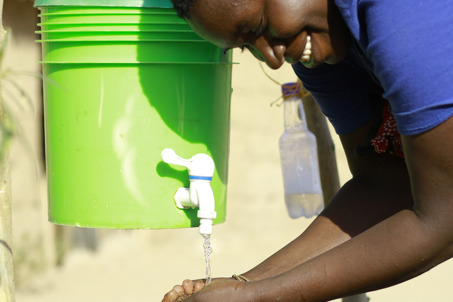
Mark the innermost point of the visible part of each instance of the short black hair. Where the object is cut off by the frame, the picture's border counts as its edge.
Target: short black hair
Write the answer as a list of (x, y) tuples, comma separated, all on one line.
[(182, 7)]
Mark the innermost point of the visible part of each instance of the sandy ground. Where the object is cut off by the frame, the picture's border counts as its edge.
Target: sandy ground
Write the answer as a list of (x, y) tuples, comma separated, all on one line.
[(143, 265)]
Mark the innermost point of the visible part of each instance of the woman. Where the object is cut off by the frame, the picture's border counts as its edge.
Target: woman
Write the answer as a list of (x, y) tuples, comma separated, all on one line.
[(392, 221)]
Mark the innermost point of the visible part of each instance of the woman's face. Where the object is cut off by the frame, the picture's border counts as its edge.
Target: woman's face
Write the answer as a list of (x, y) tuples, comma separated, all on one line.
[(275, 31)]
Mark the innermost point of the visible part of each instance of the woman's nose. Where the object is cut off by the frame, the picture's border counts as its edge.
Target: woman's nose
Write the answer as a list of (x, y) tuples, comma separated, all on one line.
[(274, 56)]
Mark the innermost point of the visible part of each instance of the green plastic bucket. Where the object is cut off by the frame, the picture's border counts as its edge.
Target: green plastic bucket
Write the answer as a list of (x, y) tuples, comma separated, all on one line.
[(117, 91)]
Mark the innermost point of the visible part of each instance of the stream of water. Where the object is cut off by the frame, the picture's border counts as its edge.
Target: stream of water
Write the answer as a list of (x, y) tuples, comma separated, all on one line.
[(207, 256)]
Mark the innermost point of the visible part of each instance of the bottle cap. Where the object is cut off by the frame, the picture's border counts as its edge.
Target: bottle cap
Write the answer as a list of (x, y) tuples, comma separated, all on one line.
[(291, 89), (294, 89)]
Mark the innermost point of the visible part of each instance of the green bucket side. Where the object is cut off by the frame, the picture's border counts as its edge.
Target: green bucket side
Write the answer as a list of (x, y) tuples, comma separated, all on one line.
[(106, 125), (106, 3), (131, 51)]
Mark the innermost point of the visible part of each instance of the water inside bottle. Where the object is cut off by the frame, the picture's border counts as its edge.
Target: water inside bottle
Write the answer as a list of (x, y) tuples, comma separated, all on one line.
[(306, 205)]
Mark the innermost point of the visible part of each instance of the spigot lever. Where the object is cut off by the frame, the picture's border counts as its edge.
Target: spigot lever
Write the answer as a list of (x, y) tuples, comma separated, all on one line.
[(200, 166), (201, 169)]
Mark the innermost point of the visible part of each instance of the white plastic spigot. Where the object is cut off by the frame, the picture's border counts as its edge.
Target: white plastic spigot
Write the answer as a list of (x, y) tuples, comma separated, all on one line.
[(201, 169)]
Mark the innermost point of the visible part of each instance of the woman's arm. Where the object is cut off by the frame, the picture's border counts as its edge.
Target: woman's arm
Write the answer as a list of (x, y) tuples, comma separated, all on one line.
[(405, 245)]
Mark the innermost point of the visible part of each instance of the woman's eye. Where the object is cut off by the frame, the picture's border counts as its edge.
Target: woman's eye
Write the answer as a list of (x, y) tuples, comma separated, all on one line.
[(245, 47), (259, 30)]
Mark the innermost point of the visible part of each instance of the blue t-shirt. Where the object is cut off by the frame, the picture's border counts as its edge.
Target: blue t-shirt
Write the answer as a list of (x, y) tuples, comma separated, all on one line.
[(404, 48)]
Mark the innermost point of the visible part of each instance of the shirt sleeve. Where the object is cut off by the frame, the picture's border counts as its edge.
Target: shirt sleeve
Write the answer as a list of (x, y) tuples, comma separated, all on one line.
[(411, 46)]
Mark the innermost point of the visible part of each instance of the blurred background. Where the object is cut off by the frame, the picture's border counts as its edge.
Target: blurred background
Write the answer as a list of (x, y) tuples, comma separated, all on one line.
[(64, 264)]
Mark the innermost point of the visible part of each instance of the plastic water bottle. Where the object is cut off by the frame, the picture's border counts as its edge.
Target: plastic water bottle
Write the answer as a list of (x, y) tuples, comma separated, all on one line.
[(299, 158)]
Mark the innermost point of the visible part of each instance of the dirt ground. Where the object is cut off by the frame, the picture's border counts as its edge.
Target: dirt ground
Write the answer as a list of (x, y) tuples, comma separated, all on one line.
[(142, 265)]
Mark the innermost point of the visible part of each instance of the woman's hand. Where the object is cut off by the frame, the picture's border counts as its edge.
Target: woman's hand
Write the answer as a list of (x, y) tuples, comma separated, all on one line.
[(183, 291), (220, 289)]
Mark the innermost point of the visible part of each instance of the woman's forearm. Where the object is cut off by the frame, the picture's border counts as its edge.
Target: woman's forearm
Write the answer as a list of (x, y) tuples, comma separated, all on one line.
[(357, 207), (392, 251)]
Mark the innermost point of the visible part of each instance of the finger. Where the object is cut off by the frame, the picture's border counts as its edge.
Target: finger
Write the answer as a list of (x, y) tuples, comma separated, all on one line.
[(198, 286), (170, 296), (179, 290), (188, 287)]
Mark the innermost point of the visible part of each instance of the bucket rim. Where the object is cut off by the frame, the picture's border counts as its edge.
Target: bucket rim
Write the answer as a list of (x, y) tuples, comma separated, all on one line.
[(105, 3), (138, 63), (110, 23), (111, 13), (113, 32), (121, 41), (132, 11)]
